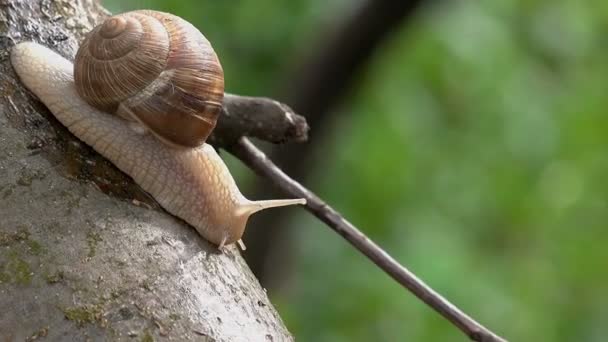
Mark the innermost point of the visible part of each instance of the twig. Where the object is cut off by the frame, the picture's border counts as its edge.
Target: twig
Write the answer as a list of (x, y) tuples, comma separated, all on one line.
[(254, 158), (258, 117)]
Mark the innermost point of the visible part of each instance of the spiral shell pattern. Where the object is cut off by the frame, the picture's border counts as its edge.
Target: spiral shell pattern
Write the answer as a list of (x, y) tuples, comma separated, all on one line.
[(154, 68)]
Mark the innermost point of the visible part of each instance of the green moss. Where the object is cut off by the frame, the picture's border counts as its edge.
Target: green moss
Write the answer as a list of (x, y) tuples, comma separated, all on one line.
[(147, 337), (15, 270), (34, 247), (83, 314), (54, 278), (93, 238), (22, 235), (18, 270), (4, 277)]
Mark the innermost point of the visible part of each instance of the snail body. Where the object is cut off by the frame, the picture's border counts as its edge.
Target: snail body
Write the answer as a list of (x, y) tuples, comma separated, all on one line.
[(163, 148)]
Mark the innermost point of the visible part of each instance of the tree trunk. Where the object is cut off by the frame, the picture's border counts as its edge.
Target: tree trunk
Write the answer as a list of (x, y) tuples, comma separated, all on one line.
[(84, 253)]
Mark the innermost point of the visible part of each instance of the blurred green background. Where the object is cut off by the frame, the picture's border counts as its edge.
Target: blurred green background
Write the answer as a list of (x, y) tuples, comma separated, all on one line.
[(474, 148)]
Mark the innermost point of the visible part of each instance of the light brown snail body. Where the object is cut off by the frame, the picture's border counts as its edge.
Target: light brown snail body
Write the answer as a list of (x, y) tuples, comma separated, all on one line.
[(170, 84)]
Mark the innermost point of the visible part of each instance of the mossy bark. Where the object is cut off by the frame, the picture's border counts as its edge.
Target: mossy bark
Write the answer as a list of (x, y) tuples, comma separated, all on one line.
[(84, 253)]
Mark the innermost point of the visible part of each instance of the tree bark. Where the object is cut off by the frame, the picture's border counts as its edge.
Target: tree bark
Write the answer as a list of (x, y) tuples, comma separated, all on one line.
[(86, 254)]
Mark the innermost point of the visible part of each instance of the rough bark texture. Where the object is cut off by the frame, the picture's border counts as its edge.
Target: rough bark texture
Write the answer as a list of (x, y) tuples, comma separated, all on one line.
[(84, 253)]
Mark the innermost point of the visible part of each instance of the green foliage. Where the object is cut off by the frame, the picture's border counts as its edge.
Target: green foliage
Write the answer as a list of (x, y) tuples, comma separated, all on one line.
[(473, 149)]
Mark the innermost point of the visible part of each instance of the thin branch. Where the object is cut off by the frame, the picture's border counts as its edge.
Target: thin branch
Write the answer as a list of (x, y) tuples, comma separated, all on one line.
[(255, 159), (258, 117)]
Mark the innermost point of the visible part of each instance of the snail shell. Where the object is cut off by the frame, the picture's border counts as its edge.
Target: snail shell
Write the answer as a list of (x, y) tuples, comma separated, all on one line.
[(154, 68)]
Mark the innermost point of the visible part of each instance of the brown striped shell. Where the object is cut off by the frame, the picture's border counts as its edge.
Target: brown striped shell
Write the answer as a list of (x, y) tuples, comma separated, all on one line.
[(154, 68)]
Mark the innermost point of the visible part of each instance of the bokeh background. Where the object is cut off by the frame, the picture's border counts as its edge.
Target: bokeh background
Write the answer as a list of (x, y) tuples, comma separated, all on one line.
[(472, 145)]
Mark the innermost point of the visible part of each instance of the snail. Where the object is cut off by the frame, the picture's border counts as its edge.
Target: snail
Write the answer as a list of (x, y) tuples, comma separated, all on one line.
[(145, 91)]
